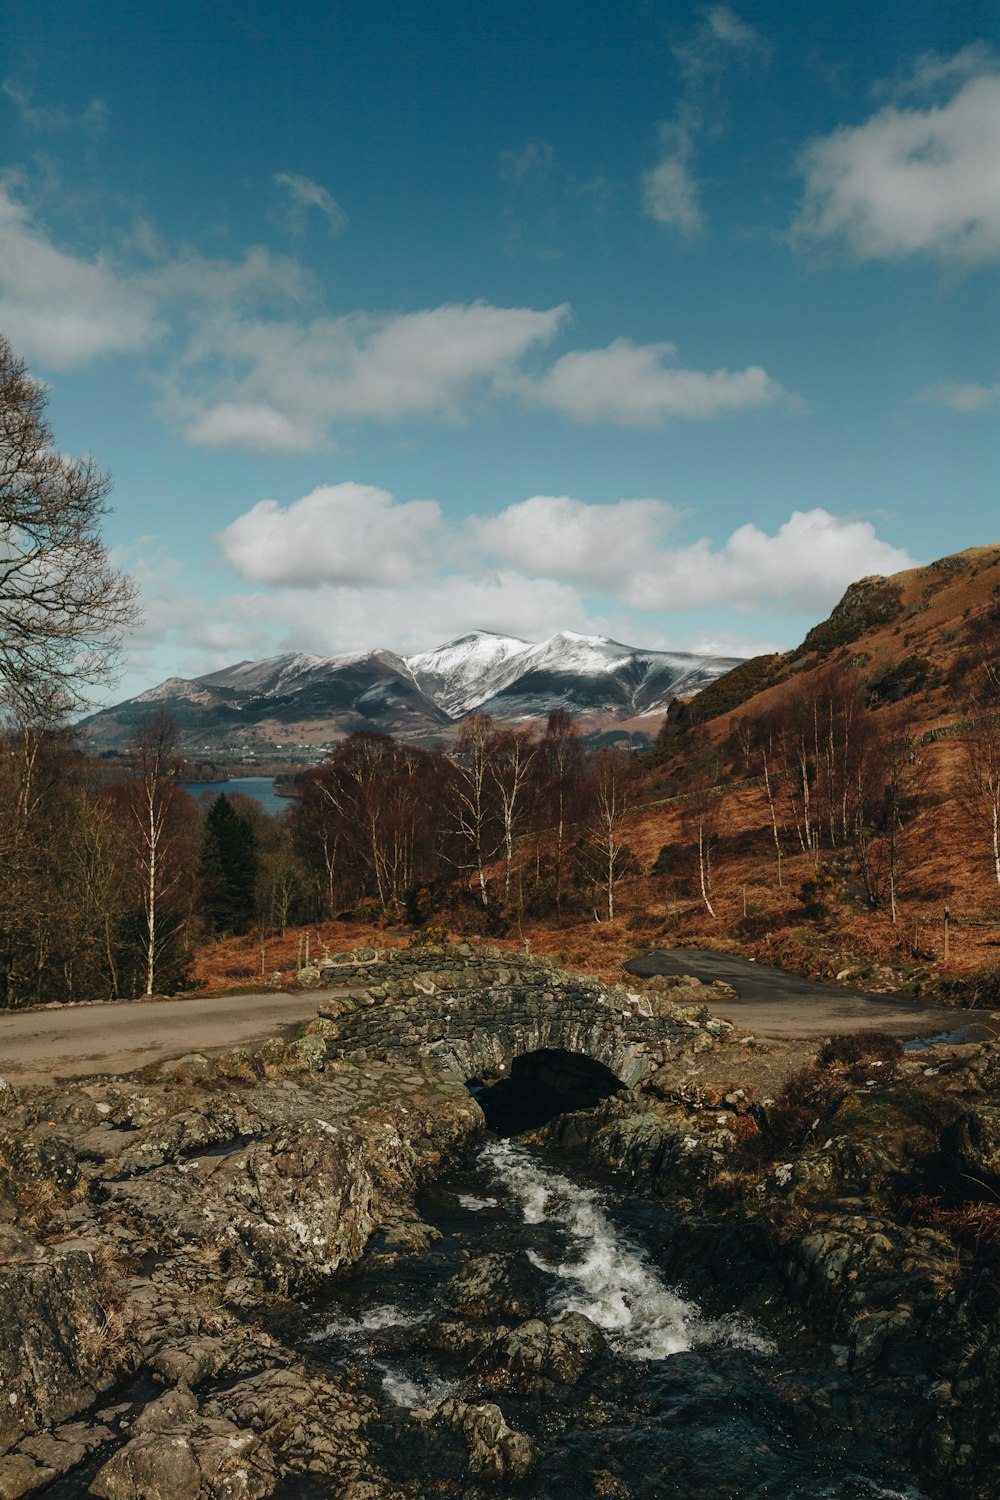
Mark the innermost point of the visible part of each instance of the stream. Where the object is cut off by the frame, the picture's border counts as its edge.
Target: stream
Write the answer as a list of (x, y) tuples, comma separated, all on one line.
[(680, 1404)]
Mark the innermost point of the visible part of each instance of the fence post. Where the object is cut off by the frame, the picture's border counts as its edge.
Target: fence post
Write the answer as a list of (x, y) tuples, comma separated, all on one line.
[(947, 926)]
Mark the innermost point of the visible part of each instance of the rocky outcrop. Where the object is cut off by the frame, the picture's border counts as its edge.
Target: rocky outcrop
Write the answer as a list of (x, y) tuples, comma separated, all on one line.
[(62, 1338), (173, 1208)]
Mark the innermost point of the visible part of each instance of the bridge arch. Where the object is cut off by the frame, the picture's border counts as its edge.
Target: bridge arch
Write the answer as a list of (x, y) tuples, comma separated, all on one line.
[(476, 1019)]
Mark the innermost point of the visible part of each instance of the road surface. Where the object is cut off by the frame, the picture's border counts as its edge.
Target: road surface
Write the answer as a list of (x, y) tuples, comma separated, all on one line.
[(38, 1046), (778, 1004)]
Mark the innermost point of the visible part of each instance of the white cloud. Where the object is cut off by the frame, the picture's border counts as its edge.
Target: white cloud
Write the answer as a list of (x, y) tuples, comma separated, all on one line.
[(414, 616), (963, 396), (63, 309), (600, 545), (349, 568), (670, 196), (670, 191), (347, 533), (911, 181), (245, 357), (624, 548), (304, 195), (805, 565), (359, 538), (630, 384), (932, 71), (280, 386)]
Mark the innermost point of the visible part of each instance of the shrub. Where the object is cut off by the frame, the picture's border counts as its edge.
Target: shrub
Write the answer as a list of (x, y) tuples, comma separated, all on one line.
[(818, 895), (861, 1054)]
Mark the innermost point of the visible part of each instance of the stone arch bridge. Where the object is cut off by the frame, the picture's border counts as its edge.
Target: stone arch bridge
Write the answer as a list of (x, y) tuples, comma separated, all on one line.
[(473, 1013)]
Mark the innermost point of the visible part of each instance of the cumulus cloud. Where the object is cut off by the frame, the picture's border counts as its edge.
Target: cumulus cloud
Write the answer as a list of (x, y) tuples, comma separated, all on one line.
[(599, 545), (912, 181), (341, 533), (964, 396), (624, 548), (631, 385), (348, 567), (805, 565), (60, 308), (305, 196)]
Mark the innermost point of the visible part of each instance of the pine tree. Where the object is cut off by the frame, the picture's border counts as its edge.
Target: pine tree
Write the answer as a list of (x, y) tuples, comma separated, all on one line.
[(228, 868)]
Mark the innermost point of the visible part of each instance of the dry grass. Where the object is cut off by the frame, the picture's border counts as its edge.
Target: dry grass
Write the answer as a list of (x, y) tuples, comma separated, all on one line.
[(971, 1224)]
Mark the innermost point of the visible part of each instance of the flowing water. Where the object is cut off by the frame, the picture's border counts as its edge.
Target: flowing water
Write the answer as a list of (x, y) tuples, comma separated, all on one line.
[(682, 1404)]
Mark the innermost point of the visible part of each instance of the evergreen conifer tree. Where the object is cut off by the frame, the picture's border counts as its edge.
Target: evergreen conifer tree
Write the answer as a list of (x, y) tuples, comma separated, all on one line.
[(228, 868)]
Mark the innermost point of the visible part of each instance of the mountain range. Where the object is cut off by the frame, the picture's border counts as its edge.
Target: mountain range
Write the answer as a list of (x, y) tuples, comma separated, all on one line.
[(310, 701)]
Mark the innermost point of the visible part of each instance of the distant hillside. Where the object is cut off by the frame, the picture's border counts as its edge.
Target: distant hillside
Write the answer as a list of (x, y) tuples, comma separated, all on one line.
[(310, 701), (916, 637)]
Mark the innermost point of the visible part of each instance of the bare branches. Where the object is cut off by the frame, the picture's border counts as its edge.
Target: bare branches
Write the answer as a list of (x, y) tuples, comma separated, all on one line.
[(64, 609)]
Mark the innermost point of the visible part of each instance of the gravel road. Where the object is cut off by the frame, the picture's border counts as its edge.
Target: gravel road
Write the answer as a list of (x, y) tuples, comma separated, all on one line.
[(778, 1004), (37, 1046)]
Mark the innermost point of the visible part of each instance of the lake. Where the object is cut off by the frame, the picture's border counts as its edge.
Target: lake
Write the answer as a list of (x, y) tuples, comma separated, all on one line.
[(260, 788)]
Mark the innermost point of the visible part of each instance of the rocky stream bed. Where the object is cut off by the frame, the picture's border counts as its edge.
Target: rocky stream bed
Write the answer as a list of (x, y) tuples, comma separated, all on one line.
[(297, 1272)]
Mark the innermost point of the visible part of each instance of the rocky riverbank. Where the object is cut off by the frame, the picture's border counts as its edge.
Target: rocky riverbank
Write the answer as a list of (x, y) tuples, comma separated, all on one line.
[(152, 1229), (857, 1190), (144, 1227)]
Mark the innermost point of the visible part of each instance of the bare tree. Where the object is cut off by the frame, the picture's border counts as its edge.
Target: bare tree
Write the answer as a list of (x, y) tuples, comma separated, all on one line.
[(701, 819), (511, 756), (979, 781), (64, 609), (563, 764), (473, 801), (603, 854), (154, 766)]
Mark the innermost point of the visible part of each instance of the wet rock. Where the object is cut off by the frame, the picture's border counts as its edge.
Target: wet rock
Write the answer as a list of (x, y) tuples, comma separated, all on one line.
[(497, 1285), (495, 1449), (534, 1353)]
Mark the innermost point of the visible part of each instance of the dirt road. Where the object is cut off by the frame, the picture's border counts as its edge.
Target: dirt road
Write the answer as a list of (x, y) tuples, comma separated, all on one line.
[(38, 1046), (778, 1004)]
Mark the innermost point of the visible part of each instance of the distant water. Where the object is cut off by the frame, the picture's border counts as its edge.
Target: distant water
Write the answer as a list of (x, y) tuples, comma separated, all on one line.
[(260, 788)]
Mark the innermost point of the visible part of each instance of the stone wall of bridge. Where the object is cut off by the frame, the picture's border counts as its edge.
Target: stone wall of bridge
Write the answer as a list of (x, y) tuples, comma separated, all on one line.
[(472, 1011)]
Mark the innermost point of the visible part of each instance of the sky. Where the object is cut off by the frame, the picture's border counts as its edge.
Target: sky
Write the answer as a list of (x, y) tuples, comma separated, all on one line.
[(652, 320)]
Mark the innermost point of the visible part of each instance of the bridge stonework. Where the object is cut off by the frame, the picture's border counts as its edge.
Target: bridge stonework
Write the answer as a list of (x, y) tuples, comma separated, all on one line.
[(473, 1012)]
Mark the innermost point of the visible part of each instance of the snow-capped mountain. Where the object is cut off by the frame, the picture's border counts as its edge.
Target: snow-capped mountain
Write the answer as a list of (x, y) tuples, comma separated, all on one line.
[(466, 671), (305, 699)]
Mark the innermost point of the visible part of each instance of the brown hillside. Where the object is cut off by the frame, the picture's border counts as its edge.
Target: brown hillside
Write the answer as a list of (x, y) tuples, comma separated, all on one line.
[(915, 635)]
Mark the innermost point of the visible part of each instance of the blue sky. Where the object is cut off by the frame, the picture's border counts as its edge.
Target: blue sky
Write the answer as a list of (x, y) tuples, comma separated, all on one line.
[(658, 320)]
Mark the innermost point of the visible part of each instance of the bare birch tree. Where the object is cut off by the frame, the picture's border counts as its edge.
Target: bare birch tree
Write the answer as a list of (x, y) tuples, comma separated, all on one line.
[(154, 768), (979, 782)]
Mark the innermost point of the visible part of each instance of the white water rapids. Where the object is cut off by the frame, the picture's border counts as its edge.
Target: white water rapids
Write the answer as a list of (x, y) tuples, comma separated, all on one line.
[(603, 1276)]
